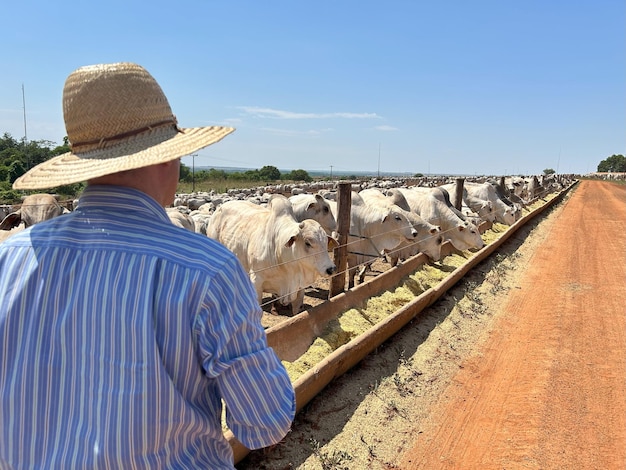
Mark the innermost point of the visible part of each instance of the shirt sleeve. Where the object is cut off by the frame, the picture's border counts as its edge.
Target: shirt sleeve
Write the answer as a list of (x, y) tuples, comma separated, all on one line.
[(254, 384)]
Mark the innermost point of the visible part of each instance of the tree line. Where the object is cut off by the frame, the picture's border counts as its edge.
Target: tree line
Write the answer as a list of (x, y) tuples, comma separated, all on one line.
[(267, 173), (613, 164), (17, 156)]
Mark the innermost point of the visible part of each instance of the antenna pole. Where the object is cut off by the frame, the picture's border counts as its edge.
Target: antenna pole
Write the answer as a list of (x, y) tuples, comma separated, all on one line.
[(24, 105), (379, 159)]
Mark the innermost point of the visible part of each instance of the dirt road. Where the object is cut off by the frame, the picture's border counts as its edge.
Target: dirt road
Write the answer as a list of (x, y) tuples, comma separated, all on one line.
[(548, 388)]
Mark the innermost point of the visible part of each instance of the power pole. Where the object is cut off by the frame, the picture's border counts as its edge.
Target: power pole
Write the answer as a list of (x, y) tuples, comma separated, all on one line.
[(331, 172), (25, 136), (379, 159), (193, 172)]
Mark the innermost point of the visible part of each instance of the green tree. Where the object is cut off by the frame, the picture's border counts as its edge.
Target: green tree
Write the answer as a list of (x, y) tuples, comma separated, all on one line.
[(299, 175), (236, 176), (614, 164), (185, 173), (16, 157), (548, 171), (8, 142), (269, 173), (214, 174), (61, 149), (16, 169), (22, 155), (252, 175)]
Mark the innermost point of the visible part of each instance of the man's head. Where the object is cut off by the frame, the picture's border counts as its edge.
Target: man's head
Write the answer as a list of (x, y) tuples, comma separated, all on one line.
[(117, 119)]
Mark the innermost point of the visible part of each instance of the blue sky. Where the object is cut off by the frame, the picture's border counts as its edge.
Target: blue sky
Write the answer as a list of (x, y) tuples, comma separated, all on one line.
[(460, 87)]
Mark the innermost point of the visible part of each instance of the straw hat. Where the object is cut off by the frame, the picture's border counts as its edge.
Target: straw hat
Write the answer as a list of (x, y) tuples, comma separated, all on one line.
[(117, 118)]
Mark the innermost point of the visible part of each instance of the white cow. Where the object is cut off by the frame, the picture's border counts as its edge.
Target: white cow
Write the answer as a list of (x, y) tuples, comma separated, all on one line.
[(484, 209), (516, 189), (35, 208), (200, 221), (180, 219), (510, 199), (374, 231), (428, 239), (314, 206), (504, 213), (282, 256), (515, 185), (534, 188), (433, 205)]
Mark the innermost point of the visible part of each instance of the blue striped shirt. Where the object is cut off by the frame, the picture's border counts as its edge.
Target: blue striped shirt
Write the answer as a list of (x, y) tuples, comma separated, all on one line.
[(121, 336)]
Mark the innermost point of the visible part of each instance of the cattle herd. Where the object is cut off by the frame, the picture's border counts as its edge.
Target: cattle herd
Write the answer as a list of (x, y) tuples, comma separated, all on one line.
[(285, 235)]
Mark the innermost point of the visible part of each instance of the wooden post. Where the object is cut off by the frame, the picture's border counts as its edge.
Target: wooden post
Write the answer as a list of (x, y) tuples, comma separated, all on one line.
[(458, 201), (502, 184), (344, 203)]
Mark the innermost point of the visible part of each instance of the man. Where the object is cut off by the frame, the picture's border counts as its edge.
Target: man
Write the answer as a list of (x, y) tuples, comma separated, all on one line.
[(121, 335)]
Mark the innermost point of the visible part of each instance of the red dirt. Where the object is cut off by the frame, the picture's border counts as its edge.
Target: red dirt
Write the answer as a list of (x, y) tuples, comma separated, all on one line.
[(548, 390)]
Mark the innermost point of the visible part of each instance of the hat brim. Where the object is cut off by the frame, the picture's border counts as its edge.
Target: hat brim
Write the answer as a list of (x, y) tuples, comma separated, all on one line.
[(75, 168)]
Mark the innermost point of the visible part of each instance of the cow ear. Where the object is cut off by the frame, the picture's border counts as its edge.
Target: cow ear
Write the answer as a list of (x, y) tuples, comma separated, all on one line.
[(10, 221), (332, 243), (294, 235)]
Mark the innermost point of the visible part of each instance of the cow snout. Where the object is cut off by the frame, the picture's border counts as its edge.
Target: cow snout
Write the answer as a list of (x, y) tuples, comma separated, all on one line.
[(414, 233), (331, 270)]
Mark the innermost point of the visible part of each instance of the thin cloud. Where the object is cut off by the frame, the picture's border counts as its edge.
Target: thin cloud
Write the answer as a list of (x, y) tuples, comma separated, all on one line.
[(385, 128), (288, 132), (281, 114)]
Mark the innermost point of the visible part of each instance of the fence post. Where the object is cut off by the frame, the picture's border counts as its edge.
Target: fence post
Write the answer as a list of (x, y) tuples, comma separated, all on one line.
[(340, 256), (458, 201)]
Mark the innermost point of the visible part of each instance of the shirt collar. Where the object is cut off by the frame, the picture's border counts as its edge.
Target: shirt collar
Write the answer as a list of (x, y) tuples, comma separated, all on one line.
[(120, 198)]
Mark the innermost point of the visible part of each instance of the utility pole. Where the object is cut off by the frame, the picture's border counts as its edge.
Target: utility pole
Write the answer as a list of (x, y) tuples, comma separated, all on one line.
[(379, 159), (25, 136), (193, 172), (24, 105), (331, 172)]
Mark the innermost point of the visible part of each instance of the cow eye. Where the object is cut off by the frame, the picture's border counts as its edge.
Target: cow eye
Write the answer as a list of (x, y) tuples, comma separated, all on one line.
[(308, 244)]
